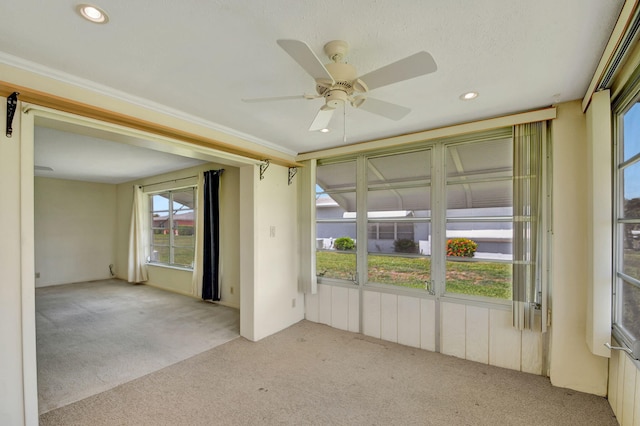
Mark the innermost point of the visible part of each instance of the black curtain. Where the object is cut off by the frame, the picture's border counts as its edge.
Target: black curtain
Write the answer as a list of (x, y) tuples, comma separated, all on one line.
[(211, 249)]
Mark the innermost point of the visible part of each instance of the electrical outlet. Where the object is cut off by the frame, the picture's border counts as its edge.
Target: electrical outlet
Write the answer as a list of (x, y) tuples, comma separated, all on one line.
[(293, 302), (231, 290), (272, 231), (37, 274)]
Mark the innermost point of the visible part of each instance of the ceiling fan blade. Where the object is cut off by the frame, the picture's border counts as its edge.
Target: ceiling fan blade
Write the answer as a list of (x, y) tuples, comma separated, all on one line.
[(412, 66), (322, 119), (279, 98), (304, 56), (385, 109)]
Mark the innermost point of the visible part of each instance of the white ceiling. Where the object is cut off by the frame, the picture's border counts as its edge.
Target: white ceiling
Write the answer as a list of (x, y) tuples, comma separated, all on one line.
[(198, 59), (75, 156)]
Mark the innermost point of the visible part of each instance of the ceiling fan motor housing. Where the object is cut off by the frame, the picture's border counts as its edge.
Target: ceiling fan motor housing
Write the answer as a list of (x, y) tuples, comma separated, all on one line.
[(336, 97), (346, 82)]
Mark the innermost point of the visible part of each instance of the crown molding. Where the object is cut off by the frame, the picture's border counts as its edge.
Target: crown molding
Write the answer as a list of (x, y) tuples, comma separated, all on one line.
[(116, 94)]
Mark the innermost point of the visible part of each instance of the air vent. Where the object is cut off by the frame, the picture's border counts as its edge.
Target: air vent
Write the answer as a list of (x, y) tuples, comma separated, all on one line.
[(345, 84)]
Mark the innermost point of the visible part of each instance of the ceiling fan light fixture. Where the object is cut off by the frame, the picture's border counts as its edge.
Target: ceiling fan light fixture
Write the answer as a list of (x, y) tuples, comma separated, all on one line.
[(360, 86), (468, 96), (92, 13), (357, 101)]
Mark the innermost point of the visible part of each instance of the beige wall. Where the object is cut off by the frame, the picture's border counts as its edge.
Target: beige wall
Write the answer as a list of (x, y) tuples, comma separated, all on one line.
[(18, 385), (176, 280), (269, 268), (75, 229), (571, 363), (599, 225), (276, 281), (11, 383)]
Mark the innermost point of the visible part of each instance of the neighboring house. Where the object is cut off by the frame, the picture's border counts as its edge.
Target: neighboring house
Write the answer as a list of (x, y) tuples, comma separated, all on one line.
[(494, 239), (179, 220)]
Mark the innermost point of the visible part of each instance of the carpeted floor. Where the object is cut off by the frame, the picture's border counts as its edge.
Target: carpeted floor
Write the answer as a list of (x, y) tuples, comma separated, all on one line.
[(94, 336), (311, 374)]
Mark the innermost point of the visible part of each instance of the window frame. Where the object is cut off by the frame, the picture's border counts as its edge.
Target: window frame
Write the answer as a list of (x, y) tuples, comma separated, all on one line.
[(438, 217), (345, 189), (629, 98), (170, 218)]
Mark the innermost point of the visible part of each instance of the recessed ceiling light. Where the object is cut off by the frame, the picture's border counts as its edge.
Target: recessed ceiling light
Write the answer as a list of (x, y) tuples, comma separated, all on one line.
[(468, 96), (92, 13), (325, 130)]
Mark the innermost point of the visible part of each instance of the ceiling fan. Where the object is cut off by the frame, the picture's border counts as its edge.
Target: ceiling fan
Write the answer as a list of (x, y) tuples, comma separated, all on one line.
[(338, 82)]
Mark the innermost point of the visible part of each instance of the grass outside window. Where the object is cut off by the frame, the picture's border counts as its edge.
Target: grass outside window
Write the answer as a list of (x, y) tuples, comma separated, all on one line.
[(183, 249), (483, 278)]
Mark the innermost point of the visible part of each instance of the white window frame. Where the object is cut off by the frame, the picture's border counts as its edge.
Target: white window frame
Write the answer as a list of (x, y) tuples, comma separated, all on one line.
[(171, 245), (437, 220), (628, 98)]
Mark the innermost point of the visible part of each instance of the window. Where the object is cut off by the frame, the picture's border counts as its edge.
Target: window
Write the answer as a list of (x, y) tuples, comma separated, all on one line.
[(172, 227), (479, 196), (398, 200), (336, 221), (401, 209), (627, 235), (390, 231)]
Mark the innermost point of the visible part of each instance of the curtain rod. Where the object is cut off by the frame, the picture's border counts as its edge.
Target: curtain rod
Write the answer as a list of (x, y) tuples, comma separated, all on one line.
[(167, 181), (175, 180)]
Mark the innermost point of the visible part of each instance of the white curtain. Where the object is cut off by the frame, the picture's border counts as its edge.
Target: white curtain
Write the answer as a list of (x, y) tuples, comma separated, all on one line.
[(196, 279), (138, 238), (307, 280), (528, 140)]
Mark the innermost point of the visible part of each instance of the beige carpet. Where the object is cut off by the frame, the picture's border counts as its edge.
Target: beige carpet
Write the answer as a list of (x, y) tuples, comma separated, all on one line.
[(94, 336), (310, 374)]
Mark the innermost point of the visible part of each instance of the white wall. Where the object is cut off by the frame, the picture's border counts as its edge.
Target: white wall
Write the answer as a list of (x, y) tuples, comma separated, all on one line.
[(475, 333), (75, 230), (572, 365), (624, 387), (176, 280), (269, 278)]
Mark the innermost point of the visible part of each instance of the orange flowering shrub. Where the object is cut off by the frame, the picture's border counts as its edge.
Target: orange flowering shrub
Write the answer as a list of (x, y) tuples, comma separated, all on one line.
[(461, 247)]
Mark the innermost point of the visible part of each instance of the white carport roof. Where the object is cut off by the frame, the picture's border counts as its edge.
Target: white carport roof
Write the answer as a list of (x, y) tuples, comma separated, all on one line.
[(401, 182)]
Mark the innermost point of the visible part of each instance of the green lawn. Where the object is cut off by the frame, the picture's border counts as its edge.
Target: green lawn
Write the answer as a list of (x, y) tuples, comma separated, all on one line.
[(487, 279), (183, 249)]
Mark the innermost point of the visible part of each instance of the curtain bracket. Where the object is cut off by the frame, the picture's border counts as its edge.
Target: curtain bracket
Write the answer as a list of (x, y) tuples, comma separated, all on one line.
[(12, 102), (263, 168), (292, 173)]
